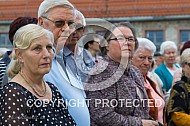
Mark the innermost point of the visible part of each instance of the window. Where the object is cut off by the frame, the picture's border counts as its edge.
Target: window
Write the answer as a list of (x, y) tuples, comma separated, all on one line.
[(4, 41), (184, 35), (156, 36)]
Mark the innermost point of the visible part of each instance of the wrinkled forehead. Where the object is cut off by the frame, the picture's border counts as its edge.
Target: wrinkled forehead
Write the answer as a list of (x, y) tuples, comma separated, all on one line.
[(62, 12)]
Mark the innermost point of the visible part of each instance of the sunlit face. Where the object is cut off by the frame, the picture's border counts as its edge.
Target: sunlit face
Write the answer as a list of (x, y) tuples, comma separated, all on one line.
[(142, 59), (37, 59), (169, 56), (58, 14), (118, 50)]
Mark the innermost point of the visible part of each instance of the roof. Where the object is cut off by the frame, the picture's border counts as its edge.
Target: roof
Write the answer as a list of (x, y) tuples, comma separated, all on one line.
[(11, 9)]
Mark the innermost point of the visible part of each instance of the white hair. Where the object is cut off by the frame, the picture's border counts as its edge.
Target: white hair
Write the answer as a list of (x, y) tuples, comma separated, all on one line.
[(185, 56), (167, 45), (80, 16), (46, 5), (146, 44)]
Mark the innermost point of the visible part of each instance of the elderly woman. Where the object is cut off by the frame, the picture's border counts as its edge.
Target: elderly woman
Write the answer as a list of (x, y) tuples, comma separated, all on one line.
[(27, 99), (115, 88), (178, 74), (178, 107), (166, 70), (142, 59)]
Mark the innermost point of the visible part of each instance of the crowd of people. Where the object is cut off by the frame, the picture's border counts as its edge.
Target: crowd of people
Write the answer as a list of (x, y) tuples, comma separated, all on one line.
[(59, 74)]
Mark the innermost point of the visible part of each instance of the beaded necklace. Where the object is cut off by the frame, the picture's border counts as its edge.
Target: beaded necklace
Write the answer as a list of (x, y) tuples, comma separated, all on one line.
[(35, 91)]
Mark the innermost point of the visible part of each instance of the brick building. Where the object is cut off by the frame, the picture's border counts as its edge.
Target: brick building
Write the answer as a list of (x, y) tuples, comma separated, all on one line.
[(157, 20)]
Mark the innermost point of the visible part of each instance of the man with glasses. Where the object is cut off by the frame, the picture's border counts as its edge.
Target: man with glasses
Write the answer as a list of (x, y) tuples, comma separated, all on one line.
[(58, 16), (71, 48)]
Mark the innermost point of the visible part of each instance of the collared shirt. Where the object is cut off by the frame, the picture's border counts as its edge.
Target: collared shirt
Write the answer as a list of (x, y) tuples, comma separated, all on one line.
[(74, 96), (69, 60), (158, 101), (85, 61)]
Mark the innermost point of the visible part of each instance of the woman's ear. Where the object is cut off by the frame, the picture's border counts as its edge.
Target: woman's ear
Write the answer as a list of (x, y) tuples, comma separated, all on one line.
[(18, 54)]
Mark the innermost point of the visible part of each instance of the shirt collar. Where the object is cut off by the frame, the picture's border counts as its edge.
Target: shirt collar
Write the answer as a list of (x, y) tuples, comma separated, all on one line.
[(67, 51)]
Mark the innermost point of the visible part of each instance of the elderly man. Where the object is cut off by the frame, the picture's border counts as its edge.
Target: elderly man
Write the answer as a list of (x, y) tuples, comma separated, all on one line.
[(71, 48), (58, 16), (142, 59)]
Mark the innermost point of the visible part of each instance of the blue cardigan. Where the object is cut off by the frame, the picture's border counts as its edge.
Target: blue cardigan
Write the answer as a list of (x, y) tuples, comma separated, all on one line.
[(165, 76)]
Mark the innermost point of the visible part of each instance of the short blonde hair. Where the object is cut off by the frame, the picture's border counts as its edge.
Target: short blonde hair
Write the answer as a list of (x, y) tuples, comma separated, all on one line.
[(22, 40)]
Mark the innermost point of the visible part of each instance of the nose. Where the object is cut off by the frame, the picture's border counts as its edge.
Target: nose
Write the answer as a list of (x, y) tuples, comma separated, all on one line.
[(66, 26), (67, 30), (46, 53), (146, 61)]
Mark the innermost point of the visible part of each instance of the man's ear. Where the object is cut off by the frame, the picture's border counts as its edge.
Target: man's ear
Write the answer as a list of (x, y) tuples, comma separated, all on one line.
[(18, 54), (40, 21)]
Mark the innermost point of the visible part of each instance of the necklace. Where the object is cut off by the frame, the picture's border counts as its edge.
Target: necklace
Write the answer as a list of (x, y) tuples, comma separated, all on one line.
[(35, 91)]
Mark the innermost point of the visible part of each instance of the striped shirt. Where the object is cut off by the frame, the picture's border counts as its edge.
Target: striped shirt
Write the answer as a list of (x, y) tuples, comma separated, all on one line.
[(4, 61)]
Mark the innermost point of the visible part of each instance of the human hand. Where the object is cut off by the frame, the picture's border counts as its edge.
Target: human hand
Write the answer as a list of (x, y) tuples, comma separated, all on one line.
[(149, 123), (62, 39)]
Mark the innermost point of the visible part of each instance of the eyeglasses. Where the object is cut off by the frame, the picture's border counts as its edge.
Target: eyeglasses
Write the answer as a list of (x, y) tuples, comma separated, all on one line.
[(123, 39), (61, 23)]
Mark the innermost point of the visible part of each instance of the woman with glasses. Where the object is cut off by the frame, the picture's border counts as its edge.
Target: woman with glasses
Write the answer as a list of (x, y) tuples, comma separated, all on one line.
[(142, 59), (178, 107), (115, 88)]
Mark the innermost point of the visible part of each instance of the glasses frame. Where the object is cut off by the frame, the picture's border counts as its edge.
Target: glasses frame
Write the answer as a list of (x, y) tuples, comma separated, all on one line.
[(70, 23), (124, 39)]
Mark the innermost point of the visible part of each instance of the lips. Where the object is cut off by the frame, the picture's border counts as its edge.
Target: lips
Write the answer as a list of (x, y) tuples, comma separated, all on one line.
[(45, 64)]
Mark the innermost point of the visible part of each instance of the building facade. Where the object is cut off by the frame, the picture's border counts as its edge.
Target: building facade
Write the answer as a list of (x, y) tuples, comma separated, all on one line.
[(157, 20)]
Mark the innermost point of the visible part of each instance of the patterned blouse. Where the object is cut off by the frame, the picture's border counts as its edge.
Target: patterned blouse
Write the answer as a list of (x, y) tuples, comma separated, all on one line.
[(116, 94), (19, 107), (179, 104)]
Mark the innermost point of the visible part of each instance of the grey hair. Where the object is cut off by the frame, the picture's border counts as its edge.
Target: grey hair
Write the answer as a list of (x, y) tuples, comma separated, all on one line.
[(167, 45), (146, 44), (80, 16), (46, 5), (23, 38), (185, 56)]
